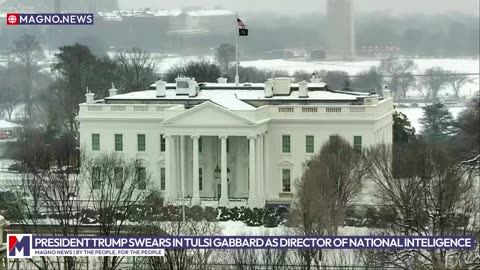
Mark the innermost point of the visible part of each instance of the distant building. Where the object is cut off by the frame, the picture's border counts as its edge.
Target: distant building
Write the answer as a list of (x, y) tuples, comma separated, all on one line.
[(8, 130), (178, 22), (172, 30), (84, 5), (341, 29)]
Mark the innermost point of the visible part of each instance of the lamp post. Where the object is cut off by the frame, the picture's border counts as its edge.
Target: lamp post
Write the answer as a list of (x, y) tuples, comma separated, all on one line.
[(218, 172)]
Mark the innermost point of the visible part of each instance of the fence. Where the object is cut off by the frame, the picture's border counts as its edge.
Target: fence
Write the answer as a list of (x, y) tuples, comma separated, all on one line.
[(23, 264)]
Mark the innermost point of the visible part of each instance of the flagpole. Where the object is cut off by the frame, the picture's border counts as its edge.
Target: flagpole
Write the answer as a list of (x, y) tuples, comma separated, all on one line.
[(237, 78)]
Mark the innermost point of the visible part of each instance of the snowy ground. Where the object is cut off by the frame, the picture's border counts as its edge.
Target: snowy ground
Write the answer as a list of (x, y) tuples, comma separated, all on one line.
[(414, 115), (352, 68), (7, 178), (238, 228)]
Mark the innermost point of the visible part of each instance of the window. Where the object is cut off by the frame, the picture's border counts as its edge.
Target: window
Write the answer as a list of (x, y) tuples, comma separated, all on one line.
[(200, 144), (118, 177), (96, 142), (333, 137), (286, 144), (162, 143), (96, 181), (228, 145), (141, 142), (200, 179), (357, 144), (142, 178), (309, 144), (162, 178), (118, 142), (286, 180)]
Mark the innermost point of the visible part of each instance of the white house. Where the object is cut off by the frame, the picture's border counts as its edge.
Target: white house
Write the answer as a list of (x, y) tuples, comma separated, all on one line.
[(222, 144)]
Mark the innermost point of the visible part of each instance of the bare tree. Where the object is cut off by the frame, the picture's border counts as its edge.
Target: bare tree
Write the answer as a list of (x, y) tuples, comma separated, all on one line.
[(430, 193), (400, 72), (8, 100), (172, 224), (224, 55), (330, 182), (48, 194), (432, 82), (403, 84), (28, 52), (456, 81), (116, 187), (136, 68)]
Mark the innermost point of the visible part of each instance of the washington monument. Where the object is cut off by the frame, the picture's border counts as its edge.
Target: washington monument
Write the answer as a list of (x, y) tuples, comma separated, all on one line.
[(341, 29)]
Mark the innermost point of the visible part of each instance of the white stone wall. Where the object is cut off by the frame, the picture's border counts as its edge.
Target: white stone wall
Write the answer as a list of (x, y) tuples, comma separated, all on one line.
[(373, 123)]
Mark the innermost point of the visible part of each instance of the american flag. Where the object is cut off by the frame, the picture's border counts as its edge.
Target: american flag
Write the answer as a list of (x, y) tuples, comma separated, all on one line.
[(240, 23)]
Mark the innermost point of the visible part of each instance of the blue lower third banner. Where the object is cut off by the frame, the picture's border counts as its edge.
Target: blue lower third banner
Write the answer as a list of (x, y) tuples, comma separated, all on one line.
[(27, 245)]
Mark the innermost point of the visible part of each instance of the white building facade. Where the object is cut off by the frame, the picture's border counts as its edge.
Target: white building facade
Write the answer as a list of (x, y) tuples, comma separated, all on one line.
[(228, 145)]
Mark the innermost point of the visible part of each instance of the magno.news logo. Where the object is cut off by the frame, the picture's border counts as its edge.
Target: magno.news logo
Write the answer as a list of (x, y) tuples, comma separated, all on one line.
[(19, 245), (50, 19)]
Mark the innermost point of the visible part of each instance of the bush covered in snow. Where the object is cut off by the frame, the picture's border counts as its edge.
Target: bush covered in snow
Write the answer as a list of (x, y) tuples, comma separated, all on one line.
[(269, 217)]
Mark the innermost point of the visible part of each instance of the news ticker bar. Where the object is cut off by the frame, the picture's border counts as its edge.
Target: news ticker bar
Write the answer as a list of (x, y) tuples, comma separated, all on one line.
[(27, 244), (50, 19)]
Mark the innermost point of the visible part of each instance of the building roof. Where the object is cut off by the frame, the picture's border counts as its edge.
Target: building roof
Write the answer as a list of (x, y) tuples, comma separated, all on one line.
[(5, 124), (237, 98)]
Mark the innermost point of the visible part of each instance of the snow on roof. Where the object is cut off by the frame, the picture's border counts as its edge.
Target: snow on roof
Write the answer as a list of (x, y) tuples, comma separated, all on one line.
[(223, 98), (312, 95), (234, 99), (5, 124)]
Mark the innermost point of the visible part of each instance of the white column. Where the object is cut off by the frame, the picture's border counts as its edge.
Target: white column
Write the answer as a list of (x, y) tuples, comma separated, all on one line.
[(261, 169), (182, 167), (195, 173), (224, 184), (168, 169), (174, 167), (252, 196)]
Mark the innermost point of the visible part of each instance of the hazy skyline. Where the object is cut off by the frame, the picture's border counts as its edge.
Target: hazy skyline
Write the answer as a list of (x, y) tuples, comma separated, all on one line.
[(308, 6)]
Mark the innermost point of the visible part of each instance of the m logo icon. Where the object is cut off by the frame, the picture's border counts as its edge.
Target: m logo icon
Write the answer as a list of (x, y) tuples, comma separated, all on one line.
[(19, 245)]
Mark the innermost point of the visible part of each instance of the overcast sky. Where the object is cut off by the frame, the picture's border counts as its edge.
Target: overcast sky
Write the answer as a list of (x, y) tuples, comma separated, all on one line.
[(302, 6)]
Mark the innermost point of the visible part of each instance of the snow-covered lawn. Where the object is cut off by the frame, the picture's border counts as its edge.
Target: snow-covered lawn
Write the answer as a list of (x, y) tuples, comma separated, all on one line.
[(238, 228), (414, 115), (354, 67)]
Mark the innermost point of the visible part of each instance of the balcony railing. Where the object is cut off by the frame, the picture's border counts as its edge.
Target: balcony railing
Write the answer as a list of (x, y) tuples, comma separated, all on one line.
[(327, 112)]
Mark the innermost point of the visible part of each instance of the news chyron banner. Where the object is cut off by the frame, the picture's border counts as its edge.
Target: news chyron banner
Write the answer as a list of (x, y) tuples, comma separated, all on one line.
[(27, 245), (50, 19)]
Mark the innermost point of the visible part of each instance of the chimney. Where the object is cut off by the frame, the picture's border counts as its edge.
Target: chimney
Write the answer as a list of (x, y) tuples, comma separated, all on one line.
[(303, 89), (269, 88), (161, 88), (192, 88), (182, 86), (386, 92), (112, 91), (222, 80), (315, 79), (89, 97)]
